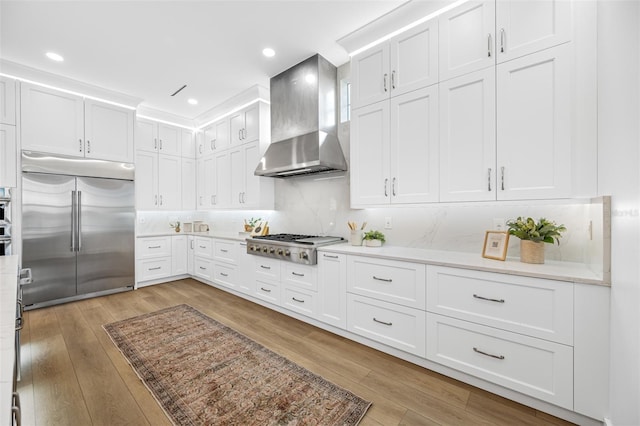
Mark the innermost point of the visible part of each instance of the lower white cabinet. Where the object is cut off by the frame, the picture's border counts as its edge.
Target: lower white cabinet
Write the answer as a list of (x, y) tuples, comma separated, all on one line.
[(8, 156), (535, 367), (267, 290), (191, 255), (149, 247), (332, 289), (299, 300), (153, 268), (397, 326), (179, 255), (225, 274), (246, 273), (203, 268)]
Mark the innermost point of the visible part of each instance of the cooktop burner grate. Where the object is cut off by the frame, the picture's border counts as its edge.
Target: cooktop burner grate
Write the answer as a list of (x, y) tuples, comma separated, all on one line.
[(284, 237)]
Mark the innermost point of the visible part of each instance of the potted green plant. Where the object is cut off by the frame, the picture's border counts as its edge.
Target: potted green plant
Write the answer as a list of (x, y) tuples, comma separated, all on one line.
[(175, 225), (533, 235), (373, 238), (250, 224)]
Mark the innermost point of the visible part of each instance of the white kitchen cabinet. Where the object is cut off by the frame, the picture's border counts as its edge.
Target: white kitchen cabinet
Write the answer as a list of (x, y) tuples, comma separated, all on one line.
[(246, 272), (158, 137), (204, 247), (158, 181), (534, 113), (394, 153), (467, 39), (188, 144), (407, 62), (244, 125), (153, 259), (299, 300), (188, 189), (62, 123), (8, 156), (206, 182), (332, 289), (468, 137), (153, 269), (215, 137), (248, 191), (524, 27), (179, 252), (222, 186), (203, 268), (191, 254), (7, 101)]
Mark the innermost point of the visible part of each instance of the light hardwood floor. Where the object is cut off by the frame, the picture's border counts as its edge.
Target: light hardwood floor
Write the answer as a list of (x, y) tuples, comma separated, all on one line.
[(72, 374)]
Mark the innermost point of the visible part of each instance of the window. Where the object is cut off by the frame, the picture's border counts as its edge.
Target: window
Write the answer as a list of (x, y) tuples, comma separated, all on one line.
[(345, 100)]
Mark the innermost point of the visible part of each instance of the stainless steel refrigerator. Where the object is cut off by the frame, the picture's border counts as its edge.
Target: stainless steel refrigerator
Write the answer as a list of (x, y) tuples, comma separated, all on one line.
[(78, 225)]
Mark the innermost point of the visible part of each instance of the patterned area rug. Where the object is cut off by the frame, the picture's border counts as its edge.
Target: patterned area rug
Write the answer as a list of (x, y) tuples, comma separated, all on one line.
[(203, 372)]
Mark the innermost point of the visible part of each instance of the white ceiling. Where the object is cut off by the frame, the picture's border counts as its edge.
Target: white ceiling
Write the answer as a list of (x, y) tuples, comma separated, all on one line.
[(149, 49)]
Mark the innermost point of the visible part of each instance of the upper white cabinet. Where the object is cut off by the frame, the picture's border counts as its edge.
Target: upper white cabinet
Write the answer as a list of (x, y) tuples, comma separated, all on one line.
[(188, 144), (245, 125), (214, 137), (62, 123), (467, 39), (8, 156), (7, 101), (158, 181), (158, 137), (206, 183), (528, 26), (248, 190), (189, 184), (399, 162), (407, 62)]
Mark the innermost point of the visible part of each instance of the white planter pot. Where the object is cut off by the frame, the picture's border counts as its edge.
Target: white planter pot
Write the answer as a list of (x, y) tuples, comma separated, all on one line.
[(372, 243)]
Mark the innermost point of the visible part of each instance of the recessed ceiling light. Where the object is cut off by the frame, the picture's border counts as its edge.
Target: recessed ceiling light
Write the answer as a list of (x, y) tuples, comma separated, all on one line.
[(54, 57), (268, 52), (192, 101)]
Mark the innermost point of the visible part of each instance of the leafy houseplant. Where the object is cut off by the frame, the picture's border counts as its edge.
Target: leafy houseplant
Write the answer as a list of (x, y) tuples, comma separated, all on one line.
[(533, 235), (373, 238), (175, 226)]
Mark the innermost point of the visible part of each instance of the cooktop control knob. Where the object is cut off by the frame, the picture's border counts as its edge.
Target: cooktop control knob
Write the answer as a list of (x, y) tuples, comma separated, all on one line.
[(272, 250), (287, 253), (280, 252), (265, 249), (304, 255), (252, 248)]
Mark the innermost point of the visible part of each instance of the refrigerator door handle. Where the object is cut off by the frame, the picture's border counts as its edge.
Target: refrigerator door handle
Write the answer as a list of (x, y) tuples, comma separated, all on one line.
[(79, 214), (73, 220)]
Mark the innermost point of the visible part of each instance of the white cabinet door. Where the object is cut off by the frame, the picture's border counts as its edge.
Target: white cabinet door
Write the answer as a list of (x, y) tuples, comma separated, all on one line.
[(246, 270), (7, 101), (251, 123), (468, 137), (188, 144), (370, 155), (146, 180), (146, 135), (179, 252), (370, 71), (8, 159), (414, 146), (236, 176), (153, 269), (222, 189), (332, 289), (188, 184), (191, 255), (216, 136), (414, 58), (534, 114), (169, 139), (206, 182), (169, 182), (52, 121), (467, 39), (108, 131), (528, 26)]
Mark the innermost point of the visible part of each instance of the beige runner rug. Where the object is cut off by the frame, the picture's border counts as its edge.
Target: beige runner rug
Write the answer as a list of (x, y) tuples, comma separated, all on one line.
[(204, 373)]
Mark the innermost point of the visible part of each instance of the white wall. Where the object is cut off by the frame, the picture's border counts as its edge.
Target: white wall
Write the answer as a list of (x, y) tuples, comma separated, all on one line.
[(619, 156)]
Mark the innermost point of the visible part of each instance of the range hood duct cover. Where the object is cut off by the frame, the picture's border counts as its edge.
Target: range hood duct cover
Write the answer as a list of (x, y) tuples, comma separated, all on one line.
[(303, 122)]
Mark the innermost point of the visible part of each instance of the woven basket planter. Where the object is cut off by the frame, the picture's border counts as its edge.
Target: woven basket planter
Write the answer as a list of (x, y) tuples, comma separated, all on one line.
[(531, 251)]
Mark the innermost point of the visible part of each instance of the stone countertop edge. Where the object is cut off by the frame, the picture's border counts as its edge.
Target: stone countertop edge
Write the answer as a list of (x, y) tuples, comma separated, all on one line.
[(212, 234), (8, 287), (552, 270)]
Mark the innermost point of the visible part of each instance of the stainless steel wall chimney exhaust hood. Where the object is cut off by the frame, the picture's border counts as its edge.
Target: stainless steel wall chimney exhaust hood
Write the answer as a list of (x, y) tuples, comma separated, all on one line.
[(303, 122)]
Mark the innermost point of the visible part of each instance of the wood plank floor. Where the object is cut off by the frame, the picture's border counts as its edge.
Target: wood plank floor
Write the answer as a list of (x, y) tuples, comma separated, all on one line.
[(72, 374)]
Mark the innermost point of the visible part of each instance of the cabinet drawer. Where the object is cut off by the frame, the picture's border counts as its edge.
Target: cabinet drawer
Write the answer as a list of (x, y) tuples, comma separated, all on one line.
[(153, 247), (299, 300), (203, 268), (225, 251), (268, 291), (152, 269), (302, 276), (535, 307), (535, 367), (387, 280), (267, 269), (225, 274), (397, 326), (204, 247)]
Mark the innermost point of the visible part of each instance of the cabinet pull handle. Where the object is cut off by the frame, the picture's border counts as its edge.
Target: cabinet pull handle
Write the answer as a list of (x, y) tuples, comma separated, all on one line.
[(160, 143), (240, 134), (203, 247), (160, 199), (155, 269), (489, 45), (297, 300), (213, 144), (240, 197), (501, 40), (297, 274), (265, 289), (330, 256), (386, 192), (88, 146), (153, 247), (384, 81), (489, 179), (265, 267), (393, 187), (387, 280), (155, 143), (382, 322), (502, 178), (200, 148), (476, 350), (192, 244), (203, 268), (393, 80), (243, 198), (80, 144), (223, 274), (156, 200), (224, 251), (200, 198), (488, 298)]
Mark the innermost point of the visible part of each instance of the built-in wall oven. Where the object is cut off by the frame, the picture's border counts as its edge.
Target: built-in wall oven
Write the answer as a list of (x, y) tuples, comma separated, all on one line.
[(5, 221)]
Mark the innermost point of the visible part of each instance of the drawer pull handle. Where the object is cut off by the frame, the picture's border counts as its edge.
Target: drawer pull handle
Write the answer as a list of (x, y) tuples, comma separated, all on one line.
[(155, 269), (297, 300), (489, 299), (386, 280), (265, 267), (330, 256), (224, 251), (297, 274), (382, 322), (223, 274), (152, 247), (203, 247), (203, 268), (476, 350), (265, 289)]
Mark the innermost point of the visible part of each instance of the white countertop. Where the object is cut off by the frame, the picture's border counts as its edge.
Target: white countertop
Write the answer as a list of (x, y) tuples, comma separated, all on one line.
[(224, 235), (561, 271), (8, 289)]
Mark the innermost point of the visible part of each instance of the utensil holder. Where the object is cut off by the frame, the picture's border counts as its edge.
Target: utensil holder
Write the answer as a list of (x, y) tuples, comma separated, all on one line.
[(355, 238)]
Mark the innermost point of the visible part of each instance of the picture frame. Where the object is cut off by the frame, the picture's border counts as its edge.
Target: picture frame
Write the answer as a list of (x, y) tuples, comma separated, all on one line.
[(495, 245)]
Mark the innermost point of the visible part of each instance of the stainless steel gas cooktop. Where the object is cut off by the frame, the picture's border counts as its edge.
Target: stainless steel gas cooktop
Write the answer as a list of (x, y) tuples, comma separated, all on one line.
[(292, 247)]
